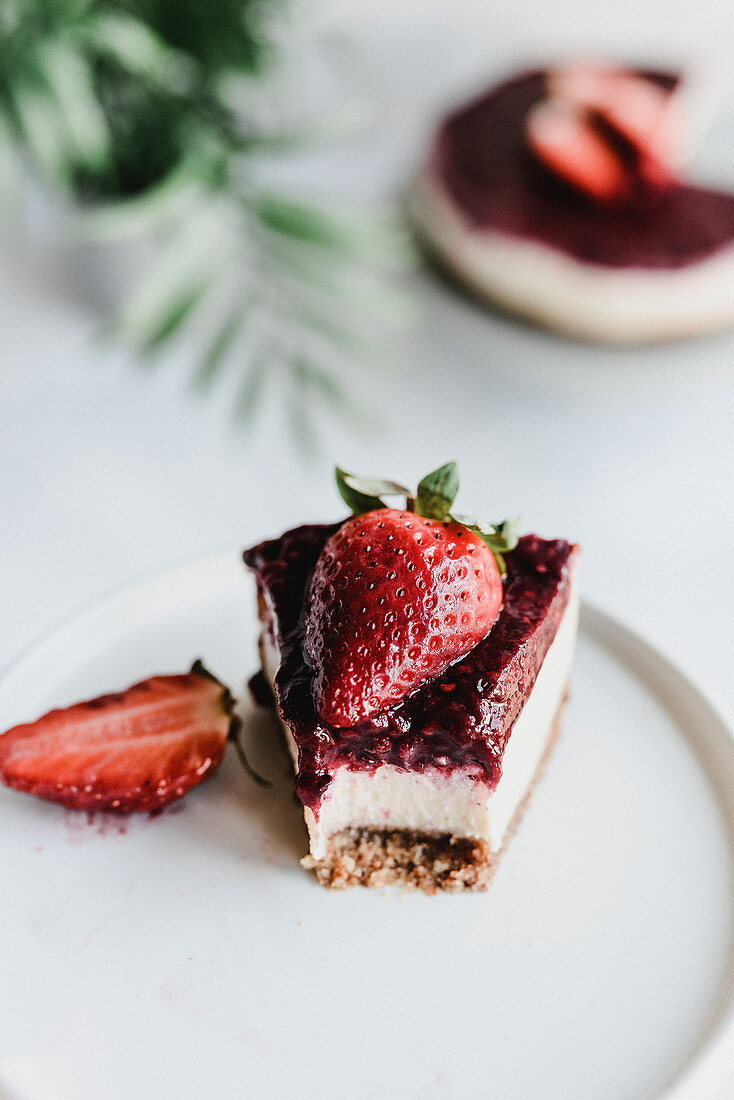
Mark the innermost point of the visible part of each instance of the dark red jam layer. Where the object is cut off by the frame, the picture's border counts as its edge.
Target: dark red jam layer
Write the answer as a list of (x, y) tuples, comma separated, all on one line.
[(482, 161), (461, 719)]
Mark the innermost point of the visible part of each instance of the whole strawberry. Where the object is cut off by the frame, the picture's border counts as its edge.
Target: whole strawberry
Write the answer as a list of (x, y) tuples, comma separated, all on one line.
[(397, 595)]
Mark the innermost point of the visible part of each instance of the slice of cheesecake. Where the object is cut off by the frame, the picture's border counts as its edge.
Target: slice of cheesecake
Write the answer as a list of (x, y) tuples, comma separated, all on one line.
[(425, 791)]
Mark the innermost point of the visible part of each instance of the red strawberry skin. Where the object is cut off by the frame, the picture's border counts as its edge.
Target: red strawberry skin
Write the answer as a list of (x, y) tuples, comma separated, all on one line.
[(642, 112), (134, 750), (563, 139), (394, 599)]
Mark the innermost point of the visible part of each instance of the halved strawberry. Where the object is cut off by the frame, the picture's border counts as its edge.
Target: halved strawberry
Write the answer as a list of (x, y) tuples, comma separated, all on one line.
[(398, 594), (137, 749), (563, 139), (642, 112)]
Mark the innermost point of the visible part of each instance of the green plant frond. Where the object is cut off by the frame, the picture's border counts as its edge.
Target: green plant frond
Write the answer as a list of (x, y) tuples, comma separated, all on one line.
[(253, 386), (42, 128), (70, 81), (337, 332), (228, 34), (312, 377), (137, 47), (300, 419), (221, 346), (299, 221), (146, 111), (167, 203), (176, 313), (10, 177), (195, 256), (370, 237), (343, 283)]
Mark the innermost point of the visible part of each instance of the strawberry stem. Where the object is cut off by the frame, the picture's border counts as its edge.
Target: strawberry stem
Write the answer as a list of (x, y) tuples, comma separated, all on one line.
[(233, 734), (234, 737)]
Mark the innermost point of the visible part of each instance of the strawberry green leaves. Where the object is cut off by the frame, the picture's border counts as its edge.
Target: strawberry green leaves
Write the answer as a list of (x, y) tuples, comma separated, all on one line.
[(500, 538), (434, 499), (437, 492), (361, 493)]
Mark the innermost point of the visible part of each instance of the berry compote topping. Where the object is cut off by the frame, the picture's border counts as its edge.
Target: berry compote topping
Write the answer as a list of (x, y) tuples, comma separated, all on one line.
[(460, 719), (482, 159)]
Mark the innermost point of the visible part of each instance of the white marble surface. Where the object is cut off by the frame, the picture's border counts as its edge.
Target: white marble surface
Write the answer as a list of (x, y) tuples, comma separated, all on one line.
[(112, 470)]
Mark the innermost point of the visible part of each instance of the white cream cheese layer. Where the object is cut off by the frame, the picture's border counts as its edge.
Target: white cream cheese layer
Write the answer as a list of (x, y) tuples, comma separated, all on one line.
[(614, 305), (458, 802)]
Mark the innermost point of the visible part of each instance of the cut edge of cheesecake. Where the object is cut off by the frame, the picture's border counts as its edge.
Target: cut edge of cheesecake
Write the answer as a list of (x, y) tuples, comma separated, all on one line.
[(428, 830), (419, 860)]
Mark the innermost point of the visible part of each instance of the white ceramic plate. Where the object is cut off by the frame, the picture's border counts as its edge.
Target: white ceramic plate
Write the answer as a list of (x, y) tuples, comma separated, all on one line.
[(188, 955)]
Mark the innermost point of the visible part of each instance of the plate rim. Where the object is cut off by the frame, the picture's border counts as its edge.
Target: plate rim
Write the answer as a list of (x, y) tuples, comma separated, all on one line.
[(707, 1066)]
